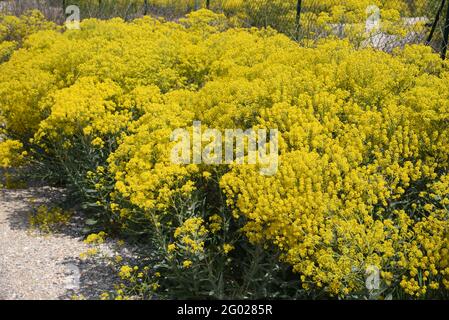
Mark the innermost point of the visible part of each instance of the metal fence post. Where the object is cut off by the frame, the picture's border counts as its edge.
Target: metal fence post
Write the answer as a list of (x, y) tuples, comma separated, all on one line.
[(99, 8), (445, 35), (435, 23), (145, 7), (63, 8), (298, 17)]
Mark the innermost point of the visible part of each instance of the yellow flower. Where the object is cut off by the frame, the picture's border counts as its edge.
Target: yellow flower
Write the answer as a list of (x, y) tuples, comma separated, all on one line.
[(215, 223), (155, 286), (171, 247), (125, 272), (187, 264), (191, 234), (228, 248), (98, 142), (96, 238), (11, 154), (206, 175), (104, 296), (89, 253)]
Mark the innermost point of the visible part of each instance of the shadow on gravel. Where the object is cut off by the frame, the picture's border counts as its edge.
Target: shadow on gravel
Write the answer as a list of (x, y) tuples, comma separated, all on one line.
[(22, 202), (88, 279), (28, 200)]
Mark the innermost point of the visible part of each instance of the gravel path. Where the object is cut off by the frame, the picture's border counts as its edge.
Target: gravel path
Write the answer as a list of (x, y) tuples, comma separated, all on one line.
[(37, 266)]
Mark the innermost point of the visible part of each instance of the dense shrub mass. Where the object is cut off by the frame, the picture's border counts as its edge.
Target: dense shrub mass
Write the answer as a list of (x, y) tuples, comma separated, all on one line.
[(363, 178), (13, 30)]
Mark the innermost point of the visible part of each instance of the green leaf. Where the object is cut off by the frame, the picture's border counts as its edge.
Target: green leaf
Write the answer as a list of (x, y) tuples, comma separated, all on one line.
[(91, 222)]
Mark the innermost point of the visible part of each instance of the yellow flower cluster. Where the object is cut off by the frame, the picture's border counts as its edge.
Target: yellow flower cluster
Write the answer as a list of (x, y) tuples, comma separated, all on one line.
[(355, 155), (11, 153), (190, 235), (215, 223), (96, 238), (89, 253), (14, 30), (125, 272), (47, 219), (228, 248)]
